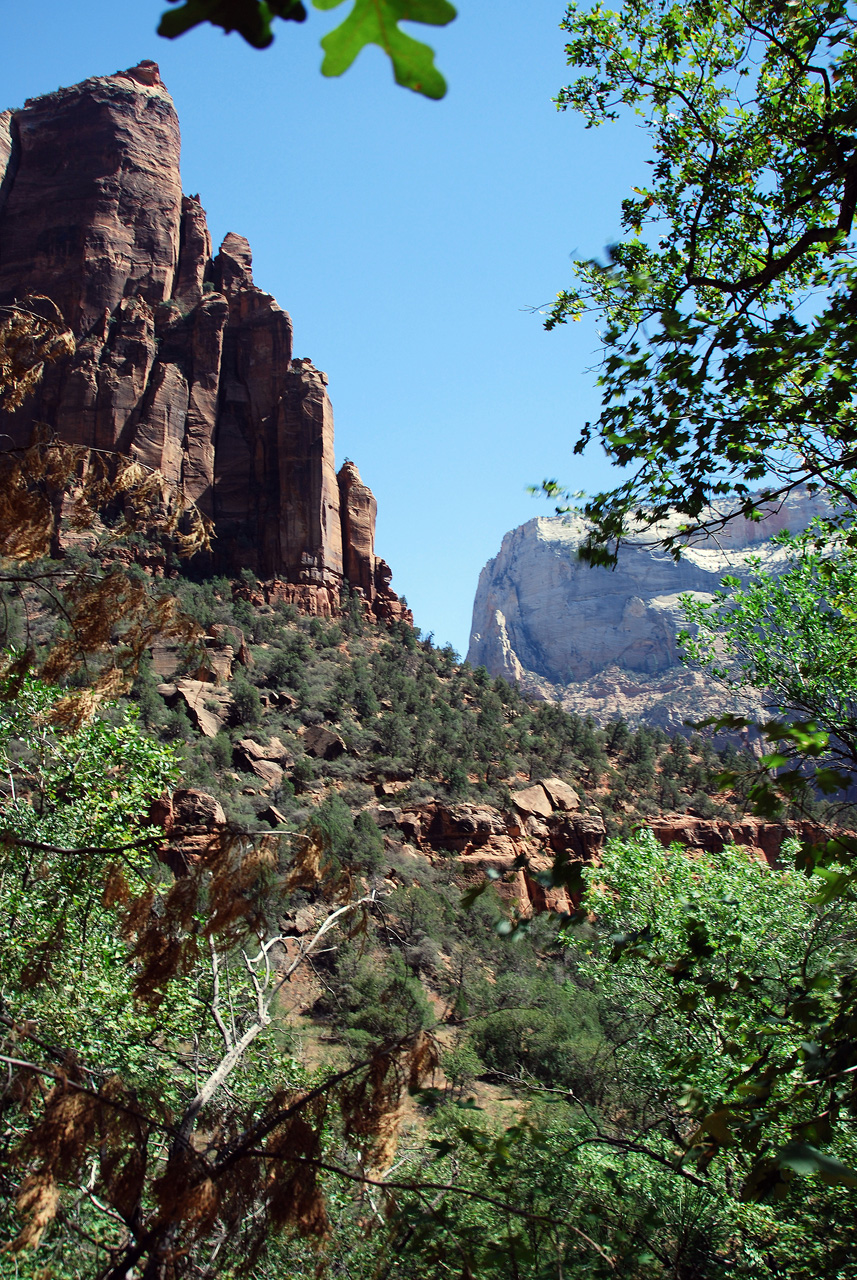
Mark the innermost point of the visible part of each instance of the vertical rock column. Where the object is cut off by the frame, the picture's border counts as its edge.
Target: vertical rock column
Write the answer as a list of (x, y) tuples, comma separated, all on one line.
[(357, 509), (90, 211), (181, 360), (255, 376), (86, 221), (310, 531)]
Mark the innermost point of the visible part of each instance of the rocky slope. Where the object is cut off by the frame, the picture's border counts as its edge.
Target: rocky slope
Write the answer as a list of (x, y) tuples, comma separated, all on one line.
[(181, 359), (603, 641)]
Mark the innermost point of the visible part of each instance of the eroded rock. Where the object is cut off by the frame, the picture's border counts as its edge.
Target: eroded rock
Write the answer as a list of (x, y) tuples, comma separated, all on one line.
[(762, 840), (605, 642), (322, 743), (486, 841), (182, 360), (209, 705), (533, 801)]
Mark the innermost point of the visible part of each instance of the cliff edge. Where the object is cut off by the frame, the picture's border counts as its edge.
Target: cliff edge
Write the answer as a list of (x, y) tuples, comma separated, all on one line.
[(182, 360)]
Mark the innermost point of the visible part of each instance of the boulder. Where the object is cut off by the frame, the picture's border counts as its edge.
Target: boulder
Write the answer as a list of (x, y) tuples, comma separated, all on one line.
[(273, 815), (248, 749), (385, 818), (560, 794), (208, 704), (196, 809), (533, 801), (269, 773), (267, 762), (322, 743)]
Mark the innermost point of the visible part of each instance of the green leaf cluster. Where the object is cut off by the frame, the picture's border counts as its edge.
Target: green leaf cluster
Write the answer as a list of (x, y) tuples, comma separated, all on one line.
[(369, 22), (737, 979)]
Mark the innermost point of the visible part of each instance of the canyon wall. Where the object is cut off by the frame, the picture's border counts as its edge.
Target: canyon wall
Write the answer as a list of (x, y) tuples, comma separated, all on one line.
[(182, 360), (604, 641)]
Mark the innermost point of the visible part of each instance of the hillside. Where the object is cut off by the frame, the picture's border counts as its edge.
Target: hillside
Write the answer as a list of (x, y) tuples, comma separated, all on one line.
[(353, 762), (325, 953)]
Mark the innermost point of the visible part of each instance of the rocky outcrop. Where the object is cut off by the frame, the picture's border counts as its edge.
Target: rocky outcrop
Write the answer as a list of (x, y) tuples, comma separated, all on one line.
[(208, 705), (93, 208), (182, 360), (604, 641), (322, 744), (358, 509), (268, 762), (761, 840), (512, 847)]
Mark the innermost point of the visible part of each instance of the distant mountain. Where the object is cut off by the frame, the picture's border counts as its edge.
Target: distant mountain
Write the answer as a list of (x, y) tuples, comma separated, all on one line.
[(603, 641)]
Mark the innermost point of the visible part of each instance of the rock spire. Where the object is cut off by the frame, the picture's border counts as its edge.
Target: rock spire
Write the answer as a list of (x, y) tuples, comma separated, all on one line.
[(182, 360)]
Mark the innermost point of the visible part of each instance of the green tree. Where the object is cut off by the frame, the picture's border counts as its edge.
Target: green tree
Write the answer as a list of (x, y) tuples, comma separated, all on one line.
[(246, 703), (729, 327), (153, 1121), (368, 844), (793, 636), (727, 976)]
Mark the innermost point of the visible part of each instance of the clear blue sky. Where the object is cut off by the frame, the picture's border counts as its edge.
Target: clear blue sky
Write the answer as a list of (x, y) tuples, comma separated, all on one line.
[(407, 238)]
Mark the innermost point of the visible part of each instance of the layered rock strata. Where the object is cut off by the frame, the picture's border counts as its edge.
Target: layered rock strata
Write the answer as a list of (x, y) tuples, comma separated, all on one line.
[(605, 641), (182, 360), (762, 840)]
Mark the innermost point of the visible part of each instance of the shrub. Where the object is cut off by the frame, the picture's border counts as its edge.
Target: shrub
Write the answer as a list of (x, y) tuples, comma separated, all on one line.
[(367, 845), (246, 703)]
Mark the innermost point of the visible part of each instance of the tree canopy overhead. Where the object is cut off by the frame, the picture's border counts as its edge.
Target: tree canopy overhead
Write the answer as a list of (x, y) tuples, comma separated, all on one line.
[(731, 329)]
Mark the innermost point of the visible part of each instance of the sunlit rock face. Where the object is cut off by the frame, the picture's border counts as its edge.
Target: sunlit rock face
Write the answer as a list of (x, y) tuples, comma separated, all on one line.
[(605, 641), (182, 360)]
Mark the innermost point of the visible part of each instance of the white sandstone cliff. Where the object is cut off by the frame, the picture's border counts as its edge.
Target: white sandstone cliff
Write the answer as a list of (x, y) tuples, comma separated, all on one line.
[(604, 641)]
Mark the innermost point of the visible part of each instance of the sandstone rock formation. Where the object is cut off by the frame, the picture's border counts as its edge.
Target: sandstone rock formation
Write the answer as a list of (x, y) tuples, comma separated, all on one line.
[(208, 705), (182, 360), (605, 641), (762, 840), (485, 841)]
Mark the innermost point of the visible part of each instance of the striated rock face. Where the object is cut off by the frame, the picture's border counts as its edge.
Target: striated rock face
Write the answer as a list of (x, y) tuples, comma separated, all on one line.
[(93, 207), (605, 641), (358, 509), (182, 359)]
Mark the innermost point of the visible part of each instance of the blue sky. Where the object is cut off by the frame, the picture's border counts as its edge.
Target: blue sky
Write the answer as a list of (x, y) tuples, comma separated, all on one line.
[(407, 238)]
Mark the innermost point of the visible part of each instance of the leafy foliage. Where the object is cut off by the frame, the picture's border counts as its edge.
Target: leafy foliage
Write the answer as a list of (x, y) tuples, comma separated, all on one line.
[(251, 20), (110, 615), (377, 22), (130, 995), (738, 974), (728, 306), (369, 22), (32, 334), (793, 636)]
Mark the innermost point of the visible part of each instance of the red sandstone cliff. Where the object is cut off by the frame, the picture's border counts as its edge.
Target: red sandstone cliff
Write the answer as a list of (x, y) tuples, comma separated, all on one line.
[(181, 358)]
